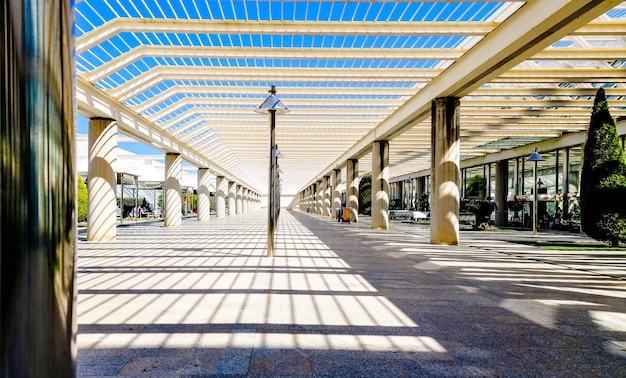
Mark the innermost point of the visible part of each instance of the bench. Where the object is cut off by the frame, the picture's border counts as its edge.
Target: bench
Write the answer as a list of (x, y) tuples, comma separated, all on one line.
[(144, 213), (400, 214)]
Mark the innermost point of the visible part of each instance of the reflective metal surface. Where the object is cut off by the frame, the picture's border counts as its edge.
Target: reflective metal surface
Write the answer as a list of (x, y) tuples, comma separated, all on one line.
[(37, 189)]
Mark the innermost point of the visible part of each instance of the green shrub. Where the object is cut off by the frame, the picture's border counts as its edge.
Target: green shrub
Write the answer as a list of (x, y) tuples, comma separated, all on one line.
[(423, 203), (603, 178), (82, 200), (128, 205), (476, 187)]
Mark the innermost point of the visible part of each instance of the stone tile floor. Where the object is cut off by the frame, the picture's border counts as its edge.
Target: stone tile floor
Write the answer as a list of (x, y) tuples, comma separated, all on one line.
[(343, 300)]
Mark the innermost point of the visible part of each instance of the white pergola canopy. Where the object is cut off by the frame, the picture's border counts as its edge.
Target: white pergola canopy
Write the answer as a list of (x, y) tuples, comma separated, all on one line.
[(186, 76)]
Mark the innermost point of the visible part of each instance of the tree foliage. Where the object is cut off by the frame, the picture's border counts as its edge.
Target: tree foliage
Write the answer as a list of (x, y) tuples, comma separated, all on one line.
[(82, 197), (423, 203), (603, 180), (365, 194), (476, 187)]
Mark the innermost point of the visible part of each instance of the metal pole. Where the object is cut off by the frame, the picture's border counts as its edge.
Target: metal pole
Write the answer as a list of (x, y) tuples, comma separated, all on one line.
[(276, 191), (270, 192), (535, 207)]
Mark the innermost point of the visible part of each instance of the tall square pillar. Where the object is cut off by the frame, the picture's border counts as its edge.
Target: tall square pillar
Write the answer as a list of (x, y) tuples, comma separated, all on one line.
[(380, 184), (445, 171)]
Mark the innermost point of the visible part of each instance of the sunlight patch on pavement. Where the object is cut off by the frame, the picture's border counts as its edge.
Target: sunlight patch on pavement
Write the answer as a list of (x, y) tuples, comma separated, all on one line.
[(247, 340), (609, 321)]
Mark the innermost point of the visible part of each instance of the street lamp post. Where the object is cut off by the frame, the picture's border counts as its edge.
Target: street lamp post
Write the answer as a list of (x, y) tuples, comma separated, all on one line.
[(535, 157), (272, 105)]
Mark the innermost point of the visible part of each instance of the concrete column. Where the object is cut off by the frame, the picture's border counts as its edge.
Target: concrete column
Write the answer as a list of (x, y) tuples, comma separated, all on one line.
[(352, 183), (445, 171), (314, 199), (516, 179), (502, 180), (204, 194), (421, 188), (232, 198), (380, 184), (336, 192), (242, 200), (38, 184), (319, 197), (565, 190), (102, 180), (239, 199), (326, 196), (221, 189), (172, 216), (246, 200), (487, 175)]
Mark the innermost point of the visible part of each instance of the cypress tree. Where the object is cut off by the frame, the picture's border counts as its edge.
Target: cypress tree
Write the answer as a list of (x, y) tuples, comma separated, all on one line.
[(603, 180)]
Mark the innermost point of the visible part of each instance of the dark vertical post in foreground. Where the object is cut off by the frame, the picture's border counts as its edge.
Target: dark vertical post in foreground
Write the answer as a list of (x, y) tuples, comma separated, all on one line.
[(37, 189), (271, 191)]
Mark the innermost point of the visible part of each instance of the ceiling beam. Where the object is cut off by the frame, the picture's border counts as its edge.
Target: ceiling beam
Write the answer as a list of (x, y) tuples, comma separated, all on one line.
[(164, 52), (239, 103), (293, 93), (121, 25)]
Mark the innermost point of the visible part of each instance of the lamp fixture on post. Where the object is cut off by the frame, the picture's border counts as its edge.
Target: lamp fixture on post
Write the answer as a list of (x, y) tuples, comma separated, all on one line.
[(273, 106), (535, 157)]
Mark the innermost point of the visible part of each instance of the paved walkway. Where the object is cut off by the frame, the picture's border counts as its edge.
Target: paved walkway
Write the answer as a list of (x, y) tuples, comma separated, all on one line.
[(347, 301)]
